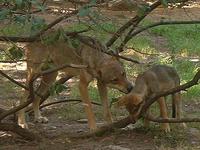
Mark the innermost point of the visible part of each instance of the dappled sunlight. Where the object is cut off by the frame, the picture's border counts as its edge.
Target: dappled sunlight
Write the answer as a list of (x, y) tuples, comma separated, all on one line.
[(4, 134), (184, 53)]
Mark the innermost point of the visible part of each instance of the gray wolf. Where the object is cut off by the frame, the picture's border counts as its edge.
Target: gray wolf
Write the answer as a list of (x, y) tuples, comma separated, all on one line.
[(157, 79), (107, 70)]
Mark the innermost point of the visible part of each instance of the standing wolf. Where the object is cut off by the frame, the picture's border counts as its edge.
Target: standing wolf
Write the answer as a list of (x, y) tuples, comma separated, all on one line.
[(157, 79), (108, 71)]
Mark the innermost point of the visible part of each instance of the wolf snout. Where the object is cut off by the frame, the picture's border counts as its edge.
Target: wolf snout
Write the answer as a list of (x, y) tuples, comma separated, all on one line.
[(129, 88)]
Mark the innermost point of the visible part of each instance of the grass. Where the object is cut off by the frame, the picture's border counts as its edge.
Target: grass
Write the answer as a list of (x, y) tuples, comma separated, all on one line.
[(181, 38)]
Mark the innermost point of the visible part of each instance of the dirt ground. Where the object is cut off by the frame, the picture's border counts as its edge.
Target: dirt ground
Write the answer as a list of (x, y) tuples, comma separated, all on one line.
[(56, 133)]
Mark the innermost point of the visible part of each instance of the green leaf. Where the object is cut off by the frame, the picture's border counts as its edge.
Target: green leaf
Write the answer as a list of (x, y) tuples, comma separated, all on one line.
[(20, 19), (84, 11), (57, 89), (72, 42), (142, 10), (52, 38), (4, 13), (16, 52), (19, 3), (41, 7), (75, 43), (93, 2), (164, 3), (60, 88), (37, 24)]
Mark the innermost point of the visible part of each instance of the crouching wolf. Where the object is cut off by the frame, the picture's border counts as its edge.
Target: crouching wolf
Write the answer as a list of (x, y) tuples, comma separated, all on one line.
[(108, 71), (157, 79)]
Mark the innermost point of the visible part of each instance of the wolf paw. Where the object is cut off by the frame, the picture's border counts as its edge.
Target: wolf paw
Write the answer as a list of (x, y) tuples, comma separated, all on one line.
[(41, 120), (23, 125), (166, 128), (183, 125)]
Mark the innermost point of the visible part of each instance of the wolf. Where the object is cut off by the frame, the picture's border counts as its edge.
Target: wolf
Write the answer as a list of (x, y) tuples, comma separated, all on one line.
[(159, 78), (106, 69)]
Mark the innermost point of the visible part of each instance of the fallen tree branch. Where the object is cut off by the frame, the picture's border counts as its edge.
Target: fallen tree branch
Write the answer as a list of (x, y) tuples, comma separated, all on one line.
[(107, 128), (173, 120), (19, 130), (124, 122)]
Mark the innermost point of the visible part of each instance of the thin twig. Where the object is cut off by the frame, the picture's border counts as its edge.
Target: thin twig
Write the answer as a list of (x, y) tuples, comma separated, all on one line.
[(66, 100), (163, 23)]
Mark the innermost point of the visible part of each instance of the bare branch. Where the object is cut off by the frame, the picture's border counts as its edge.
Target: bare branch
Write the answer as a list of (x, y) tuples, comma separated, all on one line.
[(132, 34), (35, 38), (12, 80), (18, 130), (134, 25), (59, 68), (172, 120), (66, 100), (124, 58), (132, 22)]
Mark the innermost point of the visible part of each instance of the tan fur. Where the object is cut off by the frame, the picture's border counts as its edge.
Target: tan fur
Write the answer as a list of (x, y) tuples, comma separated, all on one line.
[(107, 70), (157, 79)]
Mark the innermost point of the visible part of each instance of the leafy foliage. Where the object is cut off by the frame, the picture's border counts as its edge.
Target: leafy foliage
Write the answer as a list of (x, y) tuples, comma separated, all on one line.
[(56, 89), (16, 52)]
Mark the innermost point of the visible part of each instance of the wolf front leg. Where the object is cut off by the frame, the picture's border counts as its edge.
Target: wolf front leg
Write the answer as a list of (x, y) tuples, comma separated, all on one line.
[(163, 112), (177, 107), (83, 87), (103, 92), (21, 114), (45, 83)]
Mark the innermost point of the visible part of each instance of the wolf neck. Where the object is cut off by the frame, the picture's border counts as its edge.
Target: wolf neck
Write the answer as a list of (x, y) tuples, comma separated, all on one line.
[(140, 88), (104, 61)]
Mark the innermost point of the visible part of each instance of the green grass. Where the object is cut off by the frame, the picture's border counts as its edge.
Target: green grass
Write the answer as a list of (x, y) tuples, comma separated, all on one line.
[(142, 43), (181, 38)]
